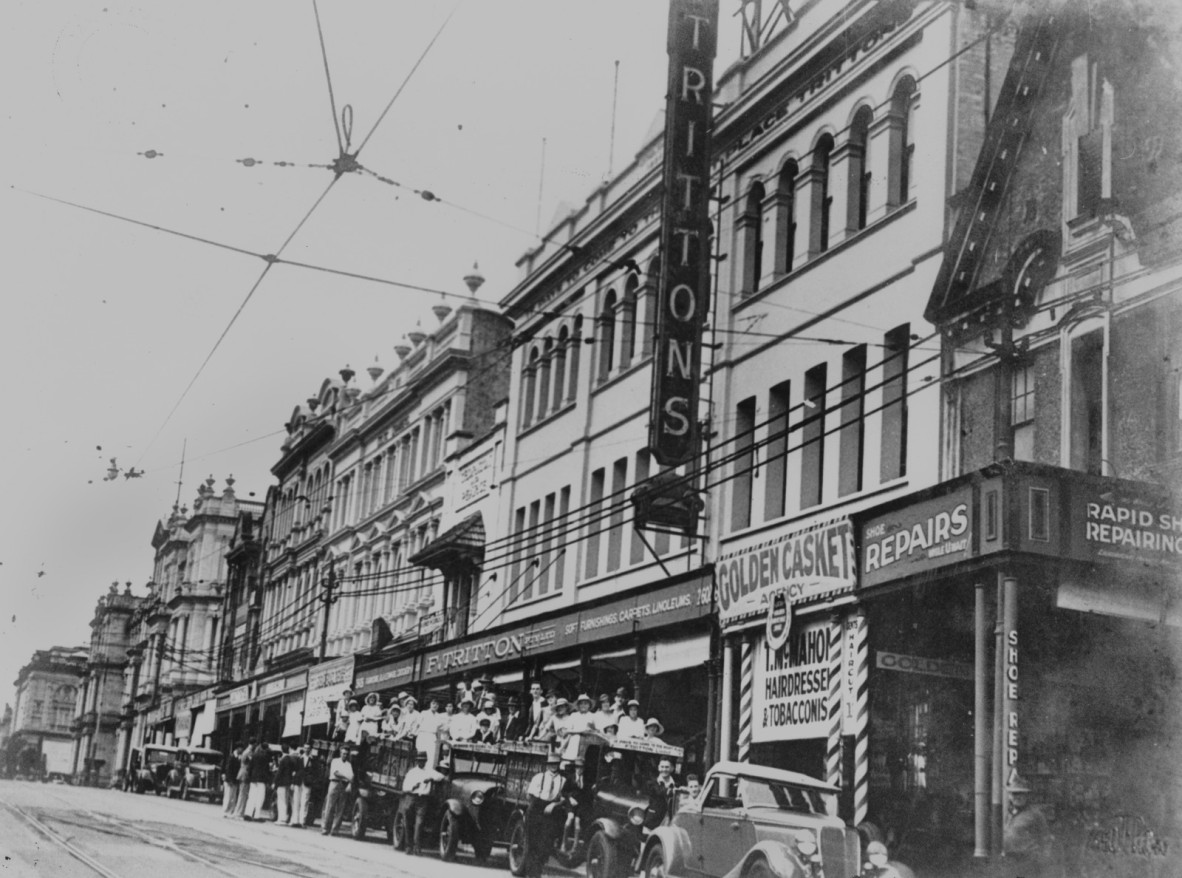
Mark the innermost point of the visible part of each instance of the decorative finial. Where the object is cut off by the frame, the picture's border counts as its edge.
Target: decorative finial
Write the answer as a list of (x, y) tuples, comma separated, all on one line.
[(347, 374), (416, 337), (402, 350), (474, 280), (313, 403), (375, 371)]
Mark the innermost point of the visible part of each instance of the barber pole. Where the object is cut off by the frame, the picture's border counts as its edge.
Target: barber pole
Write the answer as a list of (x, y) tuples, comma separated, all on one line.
[(833, 745), (861, 719), (746, 678)]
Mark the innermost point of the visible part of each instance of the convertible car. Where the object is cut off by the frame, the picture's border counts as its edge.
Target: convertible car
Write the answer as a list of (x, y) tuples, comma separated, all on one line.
[(751, 821)]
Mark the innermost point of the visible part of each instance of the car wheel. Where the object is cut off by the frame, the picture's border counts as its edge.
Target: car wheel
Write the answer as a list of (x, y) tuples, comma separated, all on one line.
[(449, 836), (654, 863), (518, 848), (758, 868), (398, 833), (357, 828), (603, 857)]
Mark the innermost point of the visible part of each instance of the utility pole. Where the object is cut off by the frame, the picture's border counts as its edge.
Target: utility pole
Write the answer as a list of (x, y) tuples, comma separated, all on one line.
[(328, 597)]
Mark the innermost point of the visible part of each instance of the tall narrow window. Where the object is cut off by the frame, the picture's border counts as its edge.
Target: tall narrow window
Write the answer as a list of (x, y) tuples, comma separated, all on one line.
[(751, 234), (812, 437), (744, 464), (820, 199), (785, 218), (649, 291), (1022, 412), (546, 538), (533, 560), (852, 431), (558, 373), (615, 536), (639, 476), (560, 561), (859, 170), (576, 348), (902, 150), (628, 325), (519, 555), (893, 461), (775, 483), (544, 378), (607, 336), (528, 379), (594, 524), (1087, 402)]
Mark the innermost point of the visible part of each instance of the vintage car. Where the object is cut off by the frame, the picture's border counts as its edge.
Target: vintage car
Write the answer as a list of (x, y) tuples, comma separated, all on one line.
[(621, 804), (198, 775), (378, 769), (475, 809), (156, 761), (751, 821)]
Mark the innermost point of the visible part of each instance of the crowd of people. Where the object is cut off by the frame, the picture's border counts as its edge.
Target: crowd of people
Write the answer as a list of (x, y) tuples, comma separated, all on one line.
[(476, 715), (252, 769)]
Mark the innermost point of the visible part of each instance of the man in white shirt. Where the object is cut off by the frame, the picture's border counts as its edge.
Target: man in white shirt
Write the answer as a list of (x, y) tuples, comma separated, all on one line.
[(431, 722), (543, 816), (340, 775), (631, 725), (538, 711), (418, 784)]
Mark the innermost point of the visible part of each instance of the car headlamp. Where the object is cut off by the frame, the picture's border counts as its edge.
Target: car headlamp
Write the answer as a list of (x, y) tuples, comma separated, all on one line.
[(636, 816), (806, 843), (478, 798)]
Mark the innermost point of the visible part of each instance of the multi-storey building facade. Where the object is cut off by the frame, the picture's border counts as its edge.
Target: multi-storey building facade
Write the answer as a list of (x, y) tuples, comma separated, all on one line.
[(100, 701), (176, 641), (1040, 622), (41, 741)]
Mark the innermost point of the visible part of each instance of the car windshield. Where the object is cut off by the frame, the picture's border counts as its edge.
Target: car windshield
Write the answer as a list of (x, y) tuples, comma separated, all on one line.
[(473, 760), (632, 770), (157, 757), (760, 793)]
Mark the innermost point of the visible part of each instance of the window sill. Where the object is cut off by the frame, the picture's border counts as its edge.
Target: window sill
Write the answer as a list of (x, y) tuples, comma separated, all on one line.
[(530, 602), (620, 374), (550, 416), (821, 258)]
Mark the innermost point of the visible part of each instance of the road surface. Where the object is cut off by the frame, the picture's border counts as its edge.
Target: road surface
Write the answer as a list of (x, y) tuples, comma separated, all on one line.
[(82, 832)]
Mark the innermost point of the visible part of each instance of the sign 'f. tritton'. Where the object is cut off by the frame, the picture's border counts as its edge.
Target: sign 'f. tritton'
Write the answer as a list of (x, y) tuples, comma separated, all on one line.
[(684, 285)]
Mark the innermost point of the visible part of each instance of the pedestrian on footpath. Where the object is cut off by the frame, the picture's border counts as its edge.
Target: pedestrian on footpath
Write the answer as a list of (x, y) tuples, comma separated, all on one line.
[(340, 777), (313, 772), (230, 781), (260, 778), (243, 781), (283, 776), (298, 762)]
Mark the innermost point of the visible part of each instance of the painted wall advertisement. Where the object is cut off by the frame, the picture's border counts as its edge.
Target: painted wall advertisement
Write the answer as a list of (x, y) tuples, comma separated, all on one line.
[(791, 687), (924, 536), (1111, 524), (326, 682), (807, 565)]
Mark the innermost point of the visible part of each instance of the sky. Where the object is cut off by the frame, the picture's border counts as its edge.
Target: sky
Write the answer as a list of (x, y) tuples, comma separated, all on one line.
[(175, 115)]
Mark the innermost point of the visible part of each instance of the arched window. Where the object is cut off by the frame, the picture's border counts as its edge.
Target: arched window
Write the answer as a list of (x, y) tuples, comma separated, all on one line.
[(559, 369), (751, 236), (607, 336), (859, 171), (785, 218), (528, 377), (576, 348), (544, 378), (628, 324), (820, 199), (902, 149)]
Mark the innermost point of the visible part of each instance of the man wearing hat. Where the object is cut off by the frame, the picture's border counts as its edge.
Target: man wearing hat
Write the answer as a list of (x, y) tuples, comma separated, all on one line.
[(543, 816), (341, 723), (539, 711), (340, 775), (631, 725), (1026, 837), (418, 784)]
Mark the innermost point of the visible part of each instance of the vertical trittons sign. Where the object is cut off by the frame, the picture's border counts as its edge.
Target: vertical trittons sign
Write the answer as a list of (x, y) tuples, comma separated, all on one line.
[(684, 285)]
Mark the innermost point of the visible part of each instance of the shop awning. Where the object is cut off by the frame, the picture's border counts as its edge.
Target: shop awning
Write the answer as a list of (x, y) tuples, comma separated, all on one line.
[(462, 543)]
